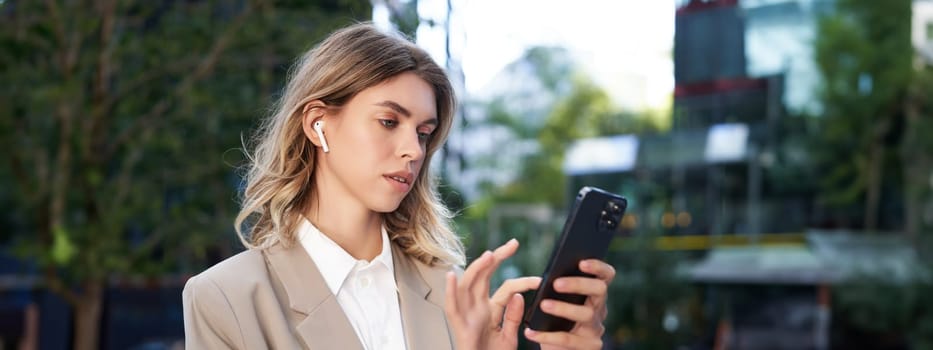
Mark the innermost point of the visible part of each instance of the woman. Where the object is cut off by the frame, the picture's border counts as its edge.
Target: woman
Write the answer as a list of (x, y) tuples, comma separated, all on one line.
[(349, 245)]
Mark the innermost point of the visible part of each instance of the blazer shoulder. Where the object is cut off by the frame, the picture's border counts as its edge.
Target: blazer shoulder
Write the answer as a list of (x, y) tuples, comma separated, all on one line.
[(209, 311), (238, 303), (237, 269)]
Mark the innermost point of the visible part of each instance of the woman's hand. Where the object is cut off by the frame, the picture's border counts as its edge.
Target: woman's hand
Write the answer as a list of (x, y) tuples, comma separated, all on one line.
[(477, 320), (589, 317)]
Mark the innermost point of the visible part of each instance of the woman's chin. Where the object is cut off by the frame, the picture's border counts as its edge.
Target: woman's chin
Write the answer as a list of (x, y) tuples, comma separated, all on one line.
[(385, 207)]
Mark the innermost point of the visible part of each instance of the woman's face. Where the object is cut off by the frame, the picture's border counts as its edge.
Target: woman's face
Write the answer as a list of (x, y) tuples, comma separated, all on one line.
[(378, 141)]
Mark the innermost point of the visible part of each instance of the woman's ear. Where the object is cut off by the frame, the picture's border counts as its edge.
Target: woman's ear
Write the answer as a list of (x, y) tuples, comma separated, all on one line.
[(312, 111)]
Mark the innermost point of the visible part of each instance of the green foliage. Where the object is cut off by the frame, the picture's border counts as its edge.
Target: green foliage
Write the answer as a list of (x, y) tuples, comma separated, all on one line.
[(878, 111), (647, 289), (646, 285), (865, 307), (404, 14), (921, 102), (878, 304), (864, 55), (62, 248), (585, 111), (122, 125), (551, 69), (917, 151)]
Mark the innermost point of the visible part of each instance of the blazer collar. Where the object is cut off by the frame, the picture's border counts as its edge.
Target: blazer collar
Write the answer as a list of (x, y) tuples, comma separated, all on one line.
[(325, 325), (421, 305)]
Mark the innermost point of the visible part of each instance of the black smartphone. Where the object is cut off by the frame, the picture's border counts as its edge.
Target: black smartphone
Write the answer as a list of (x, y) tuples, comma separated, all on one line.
[(591, 224)]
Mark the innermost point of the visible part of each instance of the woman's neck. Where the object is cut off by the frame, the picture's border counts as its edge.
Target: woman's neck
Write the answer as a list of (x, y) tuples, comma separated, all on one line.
[(347, 222)]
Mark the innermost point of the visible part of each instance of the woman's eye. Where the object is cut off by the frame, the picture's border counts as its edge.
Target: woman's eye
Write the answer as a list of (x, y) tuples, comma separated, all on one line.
[(424, 136), (389, 123)]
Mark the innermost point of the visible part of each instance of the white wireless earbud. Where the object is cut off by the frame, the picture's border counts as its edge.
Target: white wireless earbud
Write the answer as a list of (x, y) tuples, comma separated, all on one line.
[(319, 127)]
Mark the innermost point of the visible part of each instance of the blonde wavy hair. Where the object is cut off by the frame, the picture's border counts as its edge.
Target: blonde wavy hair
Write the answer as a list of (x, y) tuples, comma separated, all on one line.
[(280, 172)]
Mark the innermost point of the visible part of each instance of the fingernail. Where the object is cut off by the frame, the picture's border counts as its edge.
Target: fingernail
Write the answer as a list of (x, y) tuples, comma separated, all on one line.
[(513, 240), (530, 333), (560, 284), (485, 254), (585, 264), (547, 304)]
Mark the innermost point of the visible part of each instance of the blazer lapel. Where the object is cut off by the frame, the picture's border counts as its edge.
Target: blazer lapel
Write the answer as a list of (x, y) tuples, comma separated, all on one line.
[(323, 323), (421, 305)]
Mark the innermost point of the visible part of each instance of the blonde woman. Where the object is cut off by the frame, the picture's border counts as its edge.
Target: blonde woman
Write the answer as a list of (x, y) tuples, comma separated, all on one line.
[(349, 245)]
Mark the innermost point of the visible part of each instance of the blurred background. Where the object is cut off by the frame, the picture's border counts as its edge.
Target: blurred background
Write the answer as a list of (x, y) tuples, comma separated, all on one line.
[(777, 156)]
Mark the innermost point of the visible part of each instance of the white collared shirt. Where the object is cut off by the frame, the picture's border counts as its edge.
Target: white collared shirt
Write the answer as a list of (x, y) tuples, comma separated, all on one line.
[(365, 290)]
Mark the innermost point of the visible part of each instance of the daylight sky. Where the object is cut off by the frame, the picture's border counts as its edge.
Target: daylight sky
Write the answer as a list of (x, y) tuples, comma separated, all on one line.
[(625, 45)]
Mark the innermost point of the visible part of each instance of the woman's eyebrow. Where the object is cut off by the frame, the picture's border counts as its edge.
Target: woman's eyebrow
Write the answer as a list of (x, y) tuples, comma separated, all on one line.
[(394, 106), (402, 110)]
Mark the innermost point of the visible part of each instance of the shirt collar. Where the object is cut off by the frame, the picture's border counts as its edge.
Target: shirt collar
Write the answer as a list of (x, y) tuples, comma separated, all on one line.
[(332, 260), (385, 256)]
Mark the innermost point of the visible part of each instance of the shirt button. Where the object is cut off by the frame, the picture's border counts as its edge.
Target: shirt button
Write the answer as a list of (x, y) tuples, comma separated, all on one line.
[(364, 282), (383, 339)]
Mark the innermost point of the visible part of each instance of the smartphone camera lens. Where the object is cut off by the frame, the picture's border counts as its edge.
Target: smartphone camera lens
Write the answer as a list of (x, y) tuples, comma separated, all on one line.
[(614, 208), (607, 222)]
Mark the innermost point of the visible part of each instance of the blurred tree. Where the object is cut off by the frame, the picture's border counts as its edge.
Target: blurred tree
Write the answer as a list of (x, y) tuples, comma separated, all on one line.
[(115, 118), (586, 111), (650, 303), (554, 105), (875, 309), (404, 15), (917, 150), (864, 54), (538, 106), (513, 110)]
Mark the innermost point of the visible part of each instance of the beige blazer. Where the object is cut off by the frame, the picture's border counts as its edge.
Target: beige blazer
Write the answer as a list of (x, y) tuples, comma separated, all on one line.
[(276, 298)]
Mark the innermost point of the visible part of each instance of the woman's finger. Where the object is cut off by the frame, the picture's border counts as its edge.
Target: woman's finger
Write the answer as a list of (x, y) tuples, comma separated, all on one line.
[(471, 275), (513, 315), (588, 286), (595, 288), (573, 312), (451, 305), (475, 268), (598, 268), (564, 339), (510, 287), (505, 251)]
